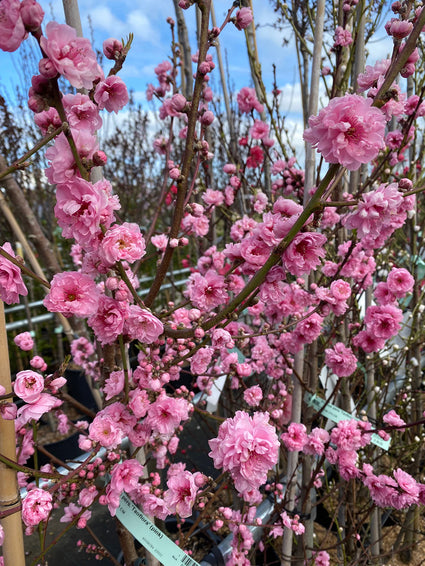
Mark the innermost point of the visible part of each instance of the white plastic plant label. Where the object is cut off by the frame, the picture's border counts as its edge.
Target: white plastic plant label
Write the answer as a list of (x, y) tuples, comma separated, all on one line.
[(336, 414), (148, 534)]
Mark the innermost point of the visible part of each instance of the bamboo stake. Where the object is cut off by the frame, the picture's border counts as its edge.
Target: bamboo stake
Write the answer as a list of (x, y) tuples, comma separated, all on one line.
[(310, 152), (72, 15), (291, 470), (13, 546), (293, 457)]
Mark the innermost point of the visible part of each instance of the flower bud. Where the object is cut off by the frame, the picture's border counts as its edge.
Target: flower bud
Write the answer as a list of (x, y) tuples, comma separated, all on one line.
[(112, 48), (32, 14)]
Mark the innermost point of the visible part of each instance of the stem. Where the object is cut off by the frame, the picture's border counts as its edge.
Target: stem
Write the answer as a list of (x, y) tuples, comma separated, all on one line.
[(24, 269), (21, 161), (182, 184)]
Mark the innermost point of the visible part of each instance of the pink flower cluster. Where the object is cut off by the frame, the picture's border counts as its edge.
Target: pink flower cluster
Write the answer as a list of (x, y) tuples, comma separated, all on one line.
[(349, 131), (11, 282), (247, 447), (378, 214)]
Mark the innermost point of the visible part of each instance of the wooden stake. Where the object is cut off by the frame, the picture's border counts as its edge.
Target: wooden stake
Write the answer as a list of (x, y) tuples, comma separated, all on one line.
[(13, 546)]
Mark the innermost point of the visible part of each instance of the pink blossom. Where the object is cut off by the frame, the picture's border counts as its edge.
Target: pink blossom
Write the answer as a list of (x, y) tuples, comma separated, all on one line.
[(247, 100), (201, 360), (368, 341), (154, 506), (28, 385), (142, 325), (348, 131), (372, 74), (377, 215), (342, 37), (108, 321), (309, 329), (12, 29), (166, 413), (72, 293), (340, 289), (11, 283), (349, 434), (230, 168), (114, 384), (295, 438), (408, 484), (211, 197), (247, 447), (400, 282), (81, 350), (105, 430), (71, 512), (259, 130), (47, 120), (316, 441), (181, 493), (24, 341), (37, 408), (243, 18), (207, 291), (322, 558), (37, 362), (253, 395), (341, 360), (393, 419), (80, 209), (221, 338), (255, 157), (160, 241), (139, 402), (111, 94), (62, 163), (81, 112), (72, 56), (304, 253), (122, 242), (197, 224), (125, 476), (1, 535), (383, 321), (255, 252), (87, 495), (8, 411), (36, 506), (260, 202)]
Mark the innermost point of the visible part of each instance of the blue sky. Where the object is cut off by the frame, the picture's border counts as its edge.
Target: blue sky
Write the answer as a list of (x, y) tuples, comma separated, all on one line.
[(146, 19)]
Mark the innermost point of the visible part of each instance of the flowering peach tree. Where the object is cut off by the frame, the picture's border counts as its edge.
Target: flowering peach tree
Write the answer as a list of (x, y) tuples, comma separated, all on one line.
[(298, 291)]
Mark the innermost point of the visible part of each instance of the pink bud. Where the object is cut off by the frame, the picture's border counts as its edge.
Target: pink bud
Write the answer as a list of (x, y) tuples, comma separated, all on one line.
[(32, 14), (112, 48), (46, 68), (99, 158), (243, 18), (207, 118), (178, 102), (174, 173), (199, 333)]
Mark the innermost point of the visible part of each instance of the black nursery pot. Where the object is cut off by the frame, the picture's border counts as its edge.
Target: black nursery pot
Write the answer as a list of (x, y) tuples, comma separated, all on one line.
[(78, 388)]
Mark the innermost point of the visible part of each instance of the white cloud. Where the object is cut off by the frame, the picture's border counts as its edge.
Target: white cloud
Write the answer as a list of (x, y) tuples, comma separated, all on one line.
[(142, 26), (103, 18)]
